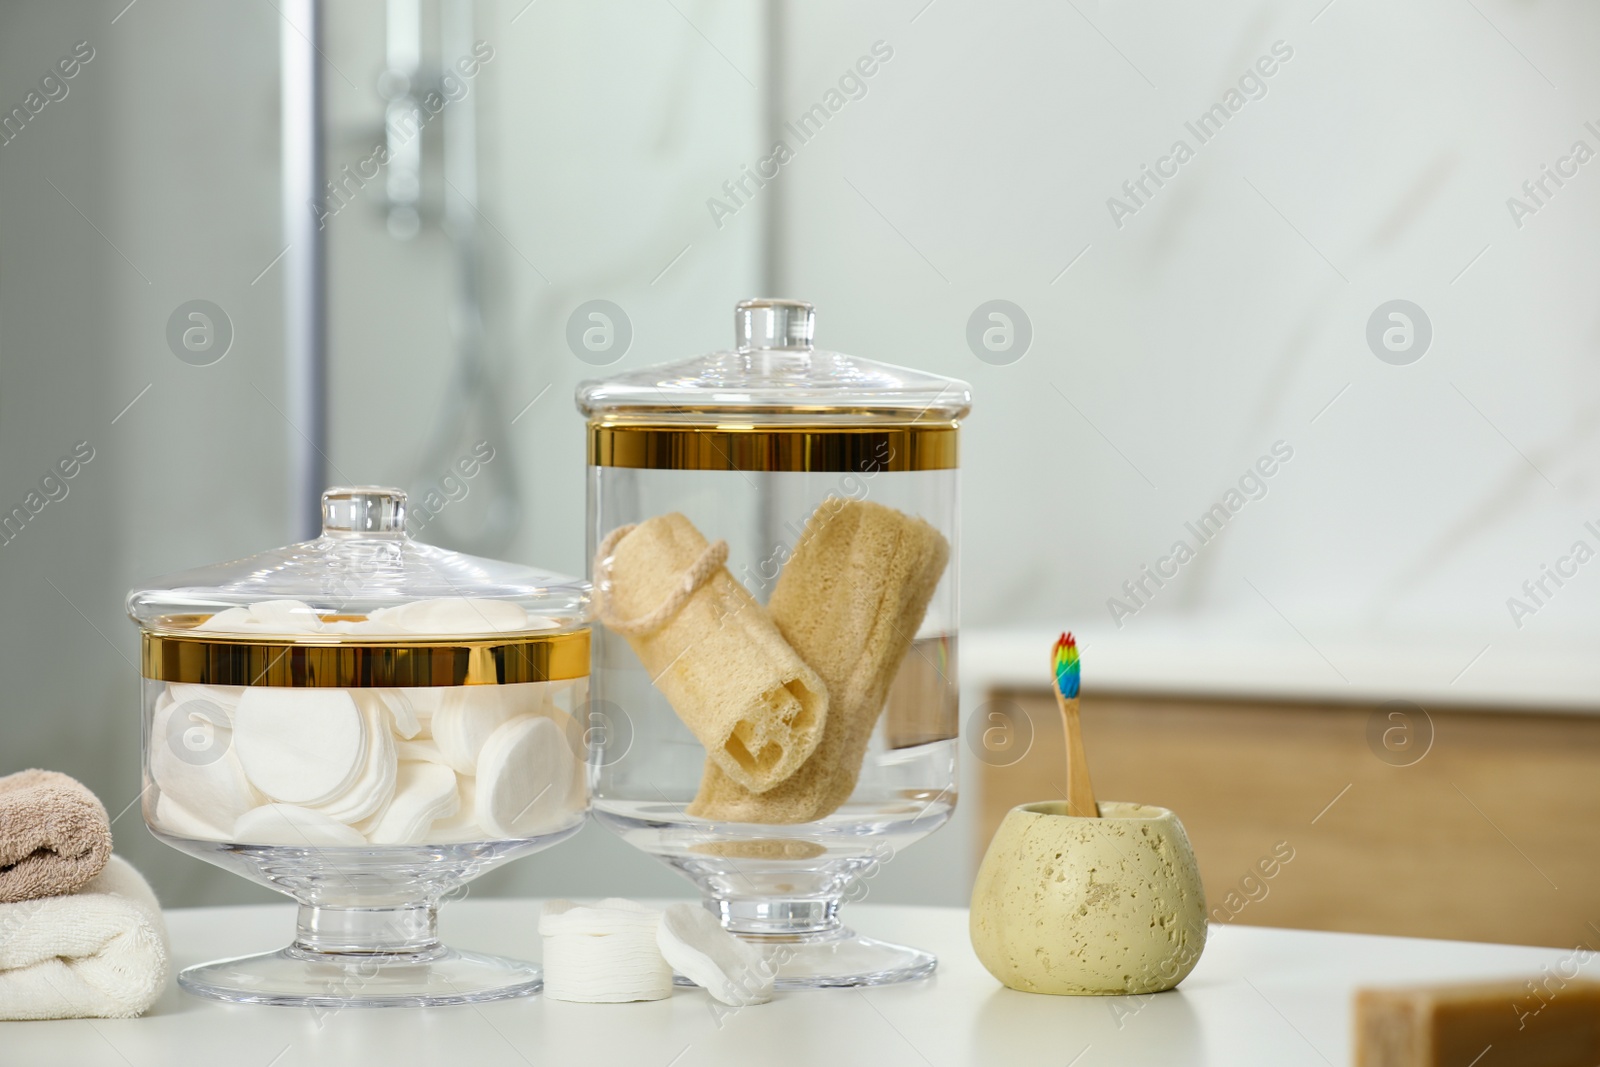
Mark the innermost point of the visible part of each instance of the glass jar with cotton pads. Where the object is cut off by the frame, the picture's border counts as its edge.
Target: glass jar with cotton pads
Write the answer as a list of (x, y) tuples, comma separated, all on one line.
[(365, 723), (773, 541)]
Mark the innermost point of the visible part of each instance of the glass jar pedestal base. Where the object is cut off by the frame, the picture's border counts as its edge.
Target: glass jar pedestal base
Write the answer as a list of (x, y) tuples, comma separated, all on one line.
[(780, 887), (368, 927), (364, 958), (809, 948)]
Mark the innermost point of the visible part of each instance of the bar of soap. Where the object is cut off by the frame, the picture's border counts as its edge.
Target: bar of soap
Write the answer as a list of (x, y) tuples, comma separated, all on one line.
[(1546, 1021), (604, 953), (697, 947)]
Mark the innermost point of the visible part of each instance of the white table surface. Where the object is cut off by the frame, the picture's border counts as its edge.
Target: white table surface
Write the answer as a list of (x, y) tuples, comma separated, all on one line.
[(1258, 996)]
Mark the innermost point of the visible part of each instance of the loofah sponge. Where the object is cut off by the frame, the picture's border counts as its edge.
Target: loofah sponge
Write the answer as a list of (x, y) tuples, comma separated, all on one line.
[(849, 601), (758, 709)]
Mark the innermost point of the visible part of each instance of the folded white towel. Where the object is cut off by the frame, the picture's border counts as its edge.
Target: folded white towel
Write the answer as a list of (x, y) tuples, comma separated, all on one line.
[(98, 953)]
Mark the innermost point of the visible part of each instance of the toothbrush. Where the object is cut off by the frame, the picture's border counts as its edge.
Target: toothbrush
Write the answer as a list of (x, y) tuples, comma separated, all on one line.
[(1080, 792)]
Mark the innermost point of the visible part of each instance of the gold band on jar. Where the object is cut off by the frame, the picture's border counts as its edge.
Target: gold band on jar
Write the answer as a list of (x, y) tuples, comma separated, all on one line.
[(169, 657), (746, 447)]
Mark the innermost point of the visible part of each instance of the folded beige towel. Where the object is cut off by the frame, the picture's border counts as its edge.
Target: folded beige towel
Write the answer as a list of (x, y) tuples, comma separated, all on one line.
[(98, 953), (54, 835), (849, 601)]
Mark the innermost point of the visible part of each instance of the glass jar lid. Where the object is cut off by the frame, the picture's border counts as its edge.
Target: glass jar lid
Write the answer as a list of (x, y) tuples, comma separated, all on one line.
[(775, 402), (774, 375), (363, 581)]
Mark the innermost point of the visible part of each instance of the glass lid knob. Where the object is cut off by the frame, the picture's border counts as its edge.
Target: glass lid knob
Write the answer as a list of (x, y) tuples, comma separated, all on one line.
[(364, 510), (769, 324)]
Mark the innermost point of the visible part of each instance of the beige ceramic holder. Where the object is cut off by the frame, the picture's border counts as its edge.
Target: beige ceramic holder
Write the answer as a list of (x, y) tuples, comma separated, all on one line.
[(1081, 906)]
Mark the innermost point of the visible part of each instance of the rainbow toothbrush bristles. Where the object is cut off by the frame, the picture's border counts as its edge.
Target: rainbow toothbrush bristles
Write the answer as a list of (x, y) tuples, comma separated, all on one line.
[(1065, 661)]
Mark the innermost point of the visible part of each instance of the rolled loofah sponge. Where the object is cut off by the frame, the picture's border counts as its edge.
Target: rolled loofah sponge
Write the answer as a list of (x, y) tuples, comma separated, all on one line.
[(754, 704), (849, 601)]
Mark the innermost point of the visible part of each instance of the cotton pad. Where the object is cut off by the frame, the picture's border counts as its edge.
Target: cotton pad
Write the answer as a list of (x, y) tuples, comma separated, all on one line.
[(194, 760), (265, 616), (228, 620), (300, 746), (287, 616), (426, 751), (466, 717), (604, 953), (224, 696), (525, 773), (425, 792), (450, 615), (565, 695), (173, 818), (697, 947), (290, 824), (424, 701), (404, 716), (375, 785), (463, 825)]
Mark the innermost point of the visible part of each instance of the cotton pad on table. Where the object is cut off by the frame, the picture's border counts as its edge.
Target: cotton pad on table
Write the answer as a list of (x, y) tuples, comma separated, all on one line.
[(694, 943), (602, 953)]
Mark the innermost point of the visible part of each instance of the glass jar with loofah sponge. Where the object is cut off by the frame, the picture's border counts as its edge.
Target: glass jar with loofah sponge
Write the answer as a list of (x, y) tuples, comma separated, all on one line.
[(774, 539)]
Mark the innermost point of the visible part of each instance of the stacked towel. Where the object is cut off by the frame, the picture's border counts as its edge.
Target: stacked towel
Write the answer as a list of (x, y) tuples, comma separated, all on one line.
[(81, 934), (98, 953), (54, 835)]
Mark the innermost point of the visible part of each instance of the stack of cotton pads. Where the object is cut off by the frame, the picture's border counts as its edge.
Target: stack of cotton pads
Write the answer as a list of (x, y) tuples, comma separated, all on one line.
[(603, 954), (272, 765), (618, 951)]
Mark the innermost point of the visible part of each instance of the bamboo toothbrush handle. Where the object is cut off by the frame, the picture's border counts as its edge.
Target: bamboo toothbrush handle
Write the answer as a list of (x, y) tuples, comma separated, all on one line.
[(1080, 791)]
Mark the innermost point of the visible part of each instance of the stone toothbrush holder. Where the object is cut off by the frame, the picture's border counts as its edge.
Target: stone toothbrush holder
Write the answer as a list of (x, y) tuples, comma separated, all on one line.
[(1089, 907)]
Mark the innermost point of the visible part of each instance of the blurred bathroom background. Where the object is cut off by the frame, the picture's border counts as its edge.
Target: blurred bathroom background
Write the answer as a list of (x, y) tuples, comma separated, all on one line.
[(1171, 318)]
